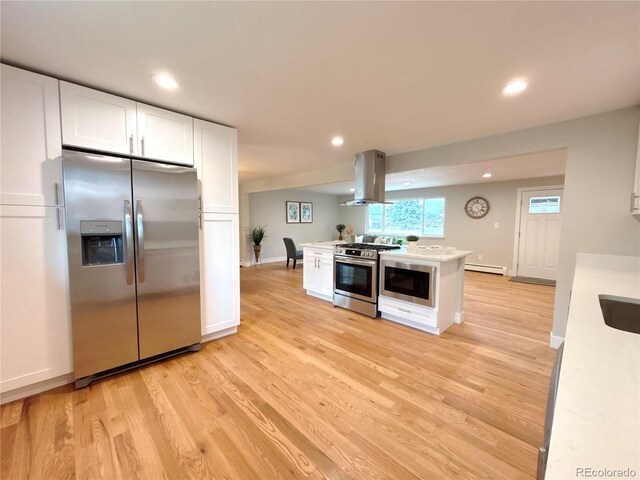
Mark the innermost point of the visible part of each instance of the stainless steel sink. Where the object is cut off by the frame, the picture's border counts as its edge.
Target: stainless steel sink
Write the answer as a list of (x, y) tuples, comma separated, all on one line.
[(621, 313)]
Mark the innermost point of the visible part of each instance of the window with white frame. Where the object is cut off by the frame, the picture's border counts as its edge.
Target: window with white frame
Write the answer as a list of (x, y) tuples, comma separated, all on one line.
[(417, 216)]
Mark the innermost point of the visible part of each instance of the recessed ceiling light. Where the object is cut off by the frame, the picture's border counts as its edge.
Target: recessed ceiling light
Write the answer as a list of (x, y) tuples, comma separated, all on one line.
[(487, 175), (337, 141), (352, 189), (514, 88), (407, 183), (166, 81)]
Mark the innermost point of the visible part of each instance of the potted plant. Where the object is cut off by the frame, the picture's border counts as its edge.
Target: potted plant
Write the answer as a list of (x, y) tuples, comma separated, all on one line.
[(412, 240), (340, 228), (256, 236)]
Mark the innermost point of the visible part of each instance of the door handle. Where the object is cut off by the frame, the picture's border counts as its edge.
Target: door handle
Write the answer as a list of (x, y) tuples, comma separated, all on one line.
[(142, 146), (57, 192), (128, 241), (140, 240)]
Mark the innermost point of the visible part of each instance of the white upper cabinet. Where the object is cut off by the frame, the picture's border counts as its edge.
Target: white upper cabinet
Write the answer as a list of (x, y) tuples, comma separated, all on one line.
[(165, 135), (97, 120), (216, 158), (100, 121), (31, 150)]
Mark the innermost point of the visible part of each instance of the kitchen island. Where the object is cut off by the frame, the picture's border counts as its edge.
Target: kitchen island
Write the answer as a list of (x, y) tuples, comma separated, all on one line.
[(596, 426), (318, 268), (445, 305)]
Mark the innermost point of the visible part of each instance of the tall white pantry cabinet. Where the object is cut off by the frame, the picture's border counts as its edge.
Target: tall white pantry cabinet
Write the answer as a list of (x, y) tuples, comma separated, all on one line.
[(35, 328), (39, 114), (216, 159)]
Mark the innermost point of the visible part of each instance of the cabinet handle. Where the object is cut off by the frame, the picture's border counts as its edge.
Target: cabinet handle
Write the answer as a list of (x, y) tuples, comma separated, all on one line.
[(142, 144), (58, 219), (404, 310), (131, 144), (634, 197), (57, 191), (200, 221)]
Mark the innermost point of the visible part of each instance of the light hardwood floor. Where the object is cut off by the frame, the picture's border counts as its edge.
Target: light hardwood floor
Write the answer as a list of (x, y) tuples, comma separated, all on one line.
[(306, 390)]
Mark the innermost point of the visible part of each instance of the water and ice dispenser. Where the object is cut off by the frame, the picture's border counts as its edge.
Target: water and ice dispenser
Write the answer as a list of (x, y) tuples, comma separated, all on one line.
[(102, 243)]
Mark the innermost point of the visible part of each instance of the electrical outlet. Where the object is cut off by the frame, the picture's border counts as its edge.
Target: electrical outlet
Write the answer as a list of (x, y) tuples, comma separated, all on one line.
[(479, 257), (496, 225)]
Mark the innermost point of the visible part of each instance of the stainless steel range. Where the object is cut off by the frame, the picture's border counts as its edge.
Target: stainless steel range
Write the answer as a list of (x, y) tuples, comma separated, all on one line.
[(355, 284)]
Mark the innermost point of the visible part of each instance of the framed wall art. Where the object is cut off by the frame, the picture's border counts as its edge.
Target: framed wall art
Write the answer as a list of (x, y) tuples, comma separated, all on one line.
[(306, 212), (293, 212)]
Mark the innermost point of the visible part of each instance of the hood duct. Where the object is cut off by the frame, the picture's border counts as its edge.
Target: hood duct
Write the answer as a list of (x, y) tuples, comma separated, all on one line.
[(370, 172)]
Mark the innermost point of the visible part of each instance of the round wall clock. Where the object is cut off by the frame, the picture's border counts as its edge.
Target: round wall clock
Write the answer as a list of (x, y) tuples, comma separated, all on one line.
[(477, 207)]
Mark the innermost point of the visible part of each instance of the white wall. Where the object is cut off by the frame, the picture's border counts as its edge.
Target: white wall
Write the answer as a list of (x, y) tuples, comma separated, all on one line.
[(268, 208), (601, 152), (478, 235)]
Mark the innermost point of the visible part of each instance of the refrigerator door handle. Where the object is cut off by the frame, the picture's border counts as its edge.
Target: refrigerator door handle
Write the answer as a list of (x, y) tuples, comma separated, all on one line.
[(140, 240), (128, 241)]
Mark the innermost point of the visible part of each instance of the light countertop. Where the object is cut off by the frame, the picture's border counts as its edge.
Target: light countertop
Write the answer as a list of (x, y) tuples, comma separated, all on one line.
[(425, 254), (597, 416), (328, 245)]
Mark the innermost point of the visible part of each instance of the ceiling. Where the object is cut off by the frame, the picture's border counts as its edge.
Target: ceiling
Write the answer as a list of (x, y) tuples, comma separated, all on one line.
[(533, 165), (395, 76)]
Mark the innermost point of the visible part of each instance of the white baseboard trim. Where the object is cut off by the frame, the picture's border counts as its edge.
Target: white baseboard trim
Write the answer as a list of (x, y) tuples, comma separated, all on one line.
[(511, 273), (478, 267), (38, 387), (222, 333), (459, 317), (555, 341), (249, 263), (321, 296)]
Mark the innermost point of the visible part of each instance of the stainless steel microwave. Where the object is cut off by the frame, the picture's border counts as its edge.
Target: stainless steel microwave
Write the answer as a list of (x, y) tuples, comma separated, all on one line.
[(408, 282)]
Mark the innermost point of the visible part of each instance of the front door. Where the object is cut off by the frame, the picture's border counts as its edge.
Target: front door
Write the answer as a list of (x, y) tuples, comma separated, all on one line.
[(540, 218)]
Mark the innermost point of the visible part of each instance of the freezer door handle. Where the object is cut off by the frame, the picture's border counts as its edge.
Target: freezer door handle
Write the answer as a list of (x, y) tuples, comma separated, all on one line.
[(140, 240), (128, 241)]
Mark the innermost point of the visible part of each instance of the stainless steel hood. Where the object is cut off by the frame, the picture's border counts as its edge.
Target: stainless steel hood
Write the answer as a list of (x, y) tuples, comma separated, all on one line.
[(370, 171)]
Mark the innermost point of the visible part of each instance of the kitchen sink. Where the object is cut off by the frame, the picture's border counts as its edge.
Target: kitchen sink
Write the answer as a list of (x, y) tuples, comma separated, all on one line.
[(621, 313)]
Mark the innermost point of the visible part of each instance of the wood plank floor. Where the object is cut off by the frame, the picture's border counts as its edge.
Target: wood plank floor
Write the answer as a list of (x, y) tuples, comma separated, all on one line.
[(306, 390)]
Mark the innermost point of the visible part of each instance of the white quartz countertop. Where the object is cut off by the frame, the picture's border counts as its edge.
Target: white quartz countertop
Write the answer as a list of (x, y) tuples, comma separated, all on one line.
[(426, 254), (597, 416), (328, 245)]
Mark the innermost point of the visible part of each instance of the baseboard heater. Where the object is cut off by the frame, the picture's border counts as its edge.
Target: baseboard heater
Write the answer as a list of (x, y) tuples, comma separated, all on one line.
[(477, 267)]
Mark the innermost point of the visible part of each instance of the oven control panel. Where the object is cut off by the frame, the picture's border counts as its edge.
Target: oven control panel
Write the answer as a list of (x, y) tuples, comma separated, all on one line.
[(354, 252)]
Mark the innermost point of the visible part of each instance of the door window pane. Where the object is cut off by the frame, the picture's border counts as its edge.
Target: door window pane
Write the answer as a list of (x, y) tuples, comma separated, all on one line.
[(544, 204)]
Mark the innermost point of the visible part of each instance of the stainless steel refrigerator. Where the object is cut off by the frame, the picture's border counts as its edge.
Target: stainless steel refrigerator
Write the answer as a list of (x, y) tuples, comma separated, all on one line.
[(132, 241)]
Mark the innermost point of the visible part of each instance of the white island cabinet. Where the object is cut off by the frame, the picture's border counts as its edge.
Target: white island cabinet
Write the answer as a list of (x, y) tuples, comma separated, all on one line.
[(448, 290), (318, 268)]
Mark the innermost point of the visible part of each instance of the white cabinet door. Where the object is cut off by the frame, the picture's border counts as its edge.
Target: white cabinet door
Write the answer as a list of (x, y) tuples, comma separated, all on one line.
[(635, 200), (36, 333), (165, 135), (219, 272), (31, 148), (216, 158), (326, 276), (97, 120), (310, 274)]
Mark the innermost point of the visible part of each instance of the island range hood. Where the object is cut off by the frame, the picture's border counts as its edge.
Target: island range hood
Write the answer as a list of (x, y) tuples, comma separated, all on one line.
[(370, 171)]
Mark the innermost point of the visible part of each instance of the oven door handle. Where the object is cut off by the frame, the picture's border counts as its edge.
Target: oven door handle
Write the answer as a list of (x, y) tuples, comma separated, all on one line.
[(348, 260)]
